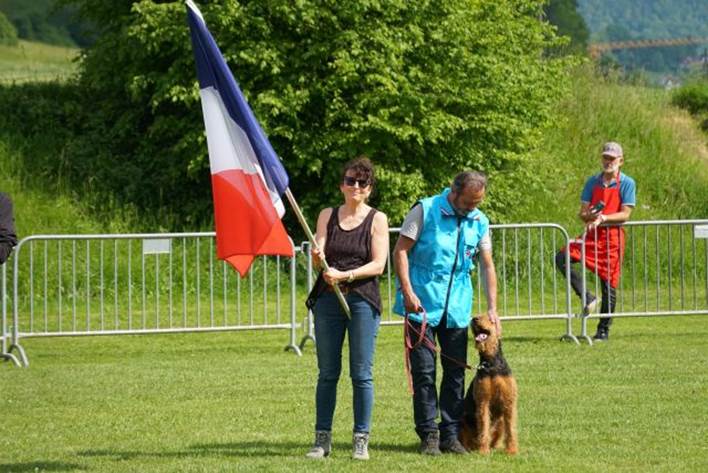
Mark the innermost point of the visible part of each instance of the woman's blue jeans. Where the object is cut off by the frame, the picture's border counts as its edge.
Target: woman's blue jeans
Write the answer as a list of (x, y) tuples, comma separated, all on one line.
[(331, 324)]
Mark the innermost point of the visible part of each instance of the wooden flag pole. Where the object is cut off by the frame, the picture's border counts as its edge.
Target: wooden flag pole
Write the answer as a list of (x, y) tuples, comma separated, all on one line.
[(311, 238)]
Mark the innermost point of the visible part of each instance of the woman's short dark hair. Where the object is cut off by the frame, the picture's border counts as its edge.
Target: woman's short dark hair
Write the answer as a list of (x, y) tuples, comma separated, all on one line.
[(362, 168)]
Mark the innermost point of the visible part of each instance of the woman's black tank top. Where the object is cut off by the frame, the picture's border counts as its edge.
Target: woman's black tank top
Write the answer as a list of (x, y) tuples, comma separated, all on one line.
[(347, 250)]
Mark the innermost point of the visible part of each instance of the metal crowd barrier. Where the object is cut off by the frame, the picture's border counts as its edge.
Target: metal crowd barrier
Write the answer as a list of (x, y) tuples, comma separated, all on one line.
[(528, 286), (76, 285), (664, 271)]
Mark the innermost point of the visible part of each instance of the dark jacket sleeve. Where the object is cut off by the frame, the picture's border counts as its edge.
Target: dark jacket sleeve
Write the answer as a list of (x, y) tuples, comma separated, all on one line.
[(8, 237)]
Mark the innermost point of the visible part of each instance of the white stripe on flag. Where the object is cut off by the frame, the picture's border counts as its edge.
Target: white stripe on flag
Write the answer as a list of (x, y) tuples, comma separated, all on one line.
[(229, 146)]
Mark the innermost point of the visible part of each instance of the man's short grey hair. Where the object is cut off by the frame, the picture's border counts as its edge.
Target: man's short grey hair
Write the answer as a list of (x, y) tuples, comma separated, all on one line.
[(474, 179)]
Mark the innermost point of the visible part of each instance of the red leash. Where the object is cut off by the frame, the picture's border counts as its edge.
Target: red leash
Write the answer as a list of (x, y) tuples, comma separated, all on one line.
[(409, 346)]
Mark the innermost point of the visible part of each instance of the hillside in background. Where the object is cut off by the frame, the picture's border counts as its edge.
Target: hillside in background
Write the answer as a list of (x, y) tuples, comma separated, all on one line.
[(665, 152), (42, 205), (36, 62), (617, 20), (46, 22), (645, 19)]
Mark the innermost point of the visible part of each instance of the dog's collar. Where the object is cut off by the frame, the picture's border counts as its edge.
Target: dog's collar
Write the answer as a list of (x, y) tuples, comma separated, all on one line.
[(497, 367)]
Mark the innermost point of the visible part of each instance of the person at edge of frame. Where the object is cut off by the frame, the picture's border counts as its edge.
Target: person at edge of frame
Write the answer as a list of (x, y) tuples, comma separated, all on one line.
[(8, 236)]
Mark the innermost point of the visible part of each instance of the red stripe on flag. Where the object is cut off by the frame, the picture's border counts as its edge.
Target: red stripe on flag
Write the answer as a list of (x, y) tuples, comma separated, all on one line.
[(247, 223)]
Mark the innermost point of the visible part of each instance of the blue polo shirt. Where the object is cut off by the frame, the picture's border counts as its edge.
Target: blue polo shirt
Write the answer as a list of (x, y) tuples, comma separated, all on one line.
[(628, 189)]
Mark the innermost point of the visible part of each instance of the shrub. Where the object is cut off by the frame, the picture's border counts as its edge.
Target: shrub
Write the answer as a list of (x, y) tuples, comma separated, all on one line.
[(694, 98), (8, 33)]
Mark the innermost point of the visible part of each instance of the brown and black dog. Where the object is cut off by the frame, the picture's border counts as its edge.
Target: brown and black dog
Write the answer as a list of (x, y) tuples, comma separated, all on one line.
[(490, 403)]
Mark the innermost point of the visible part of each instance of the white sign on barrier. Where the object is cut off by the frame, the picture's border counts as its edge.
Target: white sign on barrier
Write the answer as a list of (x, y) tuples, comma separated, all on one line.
[(700, 231), (154, 246)]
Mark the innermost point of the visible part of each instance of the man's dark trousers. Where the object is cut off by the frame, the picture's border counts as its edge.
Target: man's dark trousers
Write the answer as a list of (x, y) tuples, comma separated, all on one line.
[(453, 344)]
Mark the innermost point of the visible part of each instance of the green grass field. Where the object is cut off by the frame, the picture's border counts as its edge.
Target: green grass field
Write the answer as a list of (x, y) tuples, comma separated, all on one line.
[(237, 402), (234, 401), (33, 62)]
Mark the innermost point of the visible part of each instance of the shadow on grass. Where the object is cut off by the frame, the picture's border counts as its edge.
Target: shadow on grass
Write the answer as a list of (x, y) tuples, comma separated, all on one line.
[(242, 449), (293, 448), (235, 449), (288, 449), (524, 339), (38, 466)]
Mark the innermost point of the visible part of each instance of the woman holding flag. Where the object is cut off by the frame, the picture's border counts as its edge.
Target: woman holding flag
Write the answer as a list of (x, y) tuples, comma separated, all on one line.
[(248, 181), (353, 238)]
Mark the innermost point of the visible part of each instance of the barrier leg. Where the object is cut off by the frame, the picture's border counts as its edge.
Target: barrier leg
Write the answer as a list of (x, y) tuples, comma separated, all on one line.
[(584, 316), (569, 305), (293, 312), (584, 330), (10, 357), (310, 335), (23, 361), (568, 335)]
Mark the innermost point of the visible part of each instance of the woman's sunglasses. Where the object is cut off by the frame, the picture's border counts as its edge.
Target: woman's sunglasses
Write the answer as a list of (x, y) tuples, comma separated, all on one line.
[(350, 181)]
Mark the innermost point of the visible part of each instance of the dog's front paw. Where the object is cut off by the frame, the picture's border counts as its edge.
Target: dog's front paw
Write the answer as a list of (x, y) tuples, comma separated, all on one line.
[(512, 450), (484, 450)]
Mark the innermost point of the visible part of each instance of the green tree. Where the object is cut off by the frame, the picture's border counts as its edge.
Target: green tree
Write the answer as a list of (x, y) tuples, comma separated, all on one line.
[(693, 97), (564, 15), (8, 34), (425, 88)]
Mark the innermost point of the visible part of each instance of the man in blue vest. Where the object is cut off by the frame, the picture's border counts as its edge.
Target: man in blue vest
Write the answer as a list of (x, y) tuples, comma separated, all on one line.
[(440, 240)]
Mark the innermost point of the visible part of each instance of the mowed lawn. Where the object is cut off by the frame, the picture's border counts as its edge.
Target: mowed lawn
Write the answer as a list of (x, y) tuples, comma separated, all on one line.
[(238, 402)]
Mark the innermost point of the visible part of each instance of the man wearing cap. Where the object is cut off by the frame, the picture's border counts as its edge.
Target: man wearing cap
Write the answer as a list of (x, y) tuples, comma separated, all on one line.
[(606, 202), (440, 240)]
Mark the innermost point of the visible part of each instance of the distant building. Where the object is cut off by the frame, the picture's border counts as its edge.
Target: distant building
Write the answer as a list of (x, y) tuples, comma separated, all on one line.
[(695, 62), (669, 82)]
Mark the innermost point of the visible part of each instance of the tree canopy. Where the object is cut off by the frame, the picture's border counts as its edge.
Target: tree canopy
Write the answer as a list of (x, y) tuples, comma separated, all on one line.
[(8, 34), (565, 16)]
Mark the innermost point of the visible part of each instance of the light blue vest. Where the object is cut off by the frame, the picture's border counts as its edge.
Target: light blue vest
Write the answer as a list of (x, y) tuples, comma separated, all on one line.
[(441, 260)]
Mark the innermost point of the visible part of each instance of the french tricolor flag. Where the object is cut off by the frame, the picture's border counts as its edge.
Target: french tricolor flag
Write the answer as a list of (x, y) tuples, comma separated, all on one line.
[(247, 177)]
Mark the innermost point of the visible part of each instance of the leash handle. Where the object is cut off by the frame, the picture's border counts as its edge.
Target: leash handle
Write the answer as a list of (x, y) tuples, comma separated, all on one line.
[(421, 335), (409, 346)]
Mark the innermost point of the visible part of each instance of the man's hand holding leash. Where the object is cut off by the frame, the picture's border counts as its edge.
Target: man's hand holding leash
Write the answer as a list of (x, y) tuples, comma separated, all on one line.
[(411, 302)]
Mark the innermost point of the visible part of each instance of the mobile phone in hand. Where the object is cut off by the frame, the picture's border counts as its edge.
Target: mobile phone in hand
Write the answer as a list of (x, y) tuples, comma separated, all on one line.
[(597, 207)]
